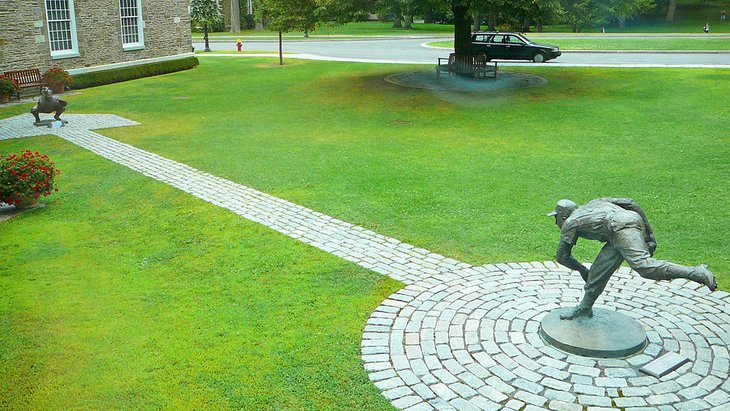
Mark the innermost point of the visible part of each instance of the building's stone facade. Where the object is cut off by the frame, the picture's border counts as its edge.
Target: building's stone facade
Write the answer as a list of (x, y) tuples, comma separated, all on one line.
[(24, 35)]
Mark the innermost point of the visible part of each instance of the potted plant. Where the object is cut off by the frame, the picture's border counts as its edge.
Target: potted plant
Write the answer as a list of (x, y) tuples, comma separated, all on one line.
[(26, 176), (7, 86), (57, 78)]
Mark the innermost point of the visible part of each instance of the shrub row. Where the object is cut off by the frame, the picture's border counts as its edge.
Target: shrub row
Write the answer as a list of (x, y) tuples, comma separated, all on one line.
[(98, 78)]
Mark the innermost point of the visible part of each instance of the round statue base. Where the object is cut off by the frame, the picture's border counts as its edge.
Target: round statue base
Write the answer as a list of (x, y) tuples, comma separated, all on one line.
[(607, 334)]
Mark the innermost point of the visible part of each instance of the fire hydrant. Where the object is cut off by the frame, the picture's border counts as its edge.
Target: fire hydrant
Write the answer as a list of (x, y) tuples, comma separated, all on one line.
[(239, 45)]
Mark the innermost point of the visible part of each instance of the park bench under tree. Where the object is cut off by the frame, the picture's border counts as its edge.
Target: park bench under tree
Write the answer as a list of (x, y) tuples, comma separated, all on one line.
[(31, 78), (475, 65)]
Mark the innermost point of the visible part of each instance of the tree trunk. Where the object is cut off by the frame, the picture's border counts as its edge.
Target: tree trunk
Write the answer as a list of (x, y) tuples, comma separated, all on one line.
[(397, 23), (205, 37), (462, 29), (526, 25), (622, 22), (477, 22), (409, 22), (281, 50), (492, 21), (235, 16), (671, 8)]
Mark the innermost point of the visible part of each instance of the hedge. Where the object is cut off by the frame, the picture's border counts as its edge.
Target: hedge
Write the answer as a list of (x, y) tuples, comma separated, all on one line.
[(98, 78)]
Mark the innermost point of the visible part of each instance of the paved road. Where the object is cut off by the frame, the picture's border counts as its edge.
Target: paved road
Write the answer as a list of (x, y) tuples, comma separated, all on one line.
[(412, 50)]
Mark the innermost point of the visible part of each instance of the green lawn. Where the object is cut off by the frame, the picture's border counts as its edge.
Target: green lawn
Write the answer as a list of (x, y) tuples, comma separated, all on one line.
[(125, 293)]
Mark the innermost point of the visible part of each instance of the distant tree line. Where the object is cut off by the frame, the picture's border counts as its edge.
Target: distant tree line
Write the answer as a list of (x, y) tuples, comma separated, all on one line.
[(521, 15)]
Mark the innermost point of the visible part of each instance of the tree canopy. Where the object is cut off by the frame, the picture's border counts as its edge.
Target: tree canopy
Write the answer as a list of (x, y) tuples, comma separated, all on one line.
[(521, 14), (307, 15), (205, 12)]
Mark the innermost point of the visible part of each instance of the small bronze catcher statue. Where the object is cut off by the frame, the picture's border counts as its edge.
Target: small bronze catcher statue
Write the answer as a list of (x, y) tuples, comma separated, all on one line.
[(48, 104)]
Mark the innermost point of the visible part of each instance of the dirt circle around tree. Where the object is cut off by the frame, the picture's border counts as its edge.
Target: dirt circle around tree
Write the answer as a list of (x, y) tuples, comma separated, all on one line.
[(427, 80)]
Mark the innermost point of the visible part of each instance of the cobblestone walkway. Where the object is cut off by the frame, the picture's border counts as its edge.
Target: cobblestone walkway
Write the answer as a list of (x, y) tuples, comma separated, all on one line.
[(464, 337), (368, 249)]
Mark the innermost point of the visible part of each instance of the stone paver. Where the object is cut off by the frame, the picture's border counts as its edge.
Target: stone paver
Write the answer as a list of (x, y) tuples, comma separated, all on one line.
[(465, 337)]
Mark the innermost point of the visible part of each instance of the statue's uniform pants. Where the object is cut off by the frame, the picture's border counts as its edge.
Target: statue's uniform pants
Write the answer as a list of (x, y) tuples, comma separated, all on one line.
[(626, 241)]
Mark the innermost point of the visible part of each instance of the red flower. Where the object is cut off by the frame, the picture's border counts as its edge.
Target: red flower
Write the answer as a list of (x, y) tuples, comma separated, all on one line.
[(26, 173)]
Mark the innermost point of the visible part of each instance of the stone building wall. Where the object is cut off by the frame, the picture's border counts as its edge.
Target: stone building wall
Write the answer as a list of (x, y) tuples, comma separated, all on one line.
[(23, 38), (24, 35)]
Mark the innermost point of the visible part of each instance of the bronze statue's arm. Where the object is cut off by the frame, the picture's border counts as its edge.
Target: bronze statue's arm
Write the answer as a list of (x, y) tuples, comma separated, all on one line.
[(565, 257)]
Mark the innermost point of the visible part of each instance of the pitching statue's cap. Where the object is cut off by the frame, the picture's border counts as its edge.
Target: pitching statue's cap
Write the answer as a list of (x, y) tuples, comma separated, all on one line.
[(564, 206)]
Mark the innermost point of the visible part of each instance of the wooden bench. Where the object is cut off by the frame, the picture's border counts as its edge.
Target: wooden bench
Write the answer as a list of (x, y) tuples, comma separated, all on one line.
[(475, 65), (26, 79)]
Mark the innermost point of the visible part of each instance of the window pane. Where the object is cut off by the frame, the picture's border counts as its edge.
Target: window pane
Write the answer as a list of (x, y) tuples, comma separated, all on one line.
[(129, 15), (58, 15)]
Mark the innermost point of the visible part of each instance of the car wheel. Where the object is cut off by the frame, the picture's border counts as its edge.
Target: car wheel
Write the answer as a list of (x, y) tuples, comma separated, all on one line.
[(539, 58)]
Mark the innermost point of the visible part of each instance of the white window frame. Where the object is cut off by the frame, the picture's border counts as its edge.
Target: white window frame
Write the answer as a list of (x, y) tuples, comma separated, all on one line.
[(52, 20), (139, 44)]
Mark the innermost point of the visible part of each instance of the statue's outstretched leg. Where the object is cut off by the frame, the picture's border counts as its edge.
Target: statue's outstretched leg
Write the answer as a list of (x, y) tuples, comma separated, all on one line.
[(34, 111), (704, 276), (637, 255)]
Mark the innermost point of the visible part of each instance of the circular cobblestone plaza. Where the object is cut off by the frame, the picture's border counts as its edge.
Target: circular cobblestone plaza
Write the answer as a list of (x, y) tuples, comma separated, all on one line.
[(469, 341)]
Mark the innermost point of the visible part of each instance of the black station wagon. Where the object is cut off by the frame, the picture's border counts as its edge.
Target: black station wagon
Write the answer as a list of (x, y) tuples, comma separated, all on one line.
[(512, 46)]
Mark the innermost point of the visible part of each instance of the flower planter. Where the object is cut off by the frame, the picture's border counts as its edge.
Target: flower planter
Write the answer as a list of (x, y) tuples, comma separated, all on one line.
[(26, 202), (25, 177), (57, 88)]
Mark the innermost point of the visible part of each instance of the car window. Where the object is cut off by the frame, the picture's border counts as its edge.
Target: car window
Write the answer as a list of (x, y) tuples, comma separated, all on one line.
[(514, 40), (498, 38), (480, 37)]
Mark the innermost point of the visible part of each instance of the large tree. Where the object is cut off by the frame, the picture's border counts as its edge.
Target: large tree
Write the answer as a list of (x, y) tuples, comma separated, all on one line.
[(624, 9), (286, 15), (462, 26), (585, 13), (206, 13), (235, 16), (462, 12), (402, 11), (671, 8), (525, 13)]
